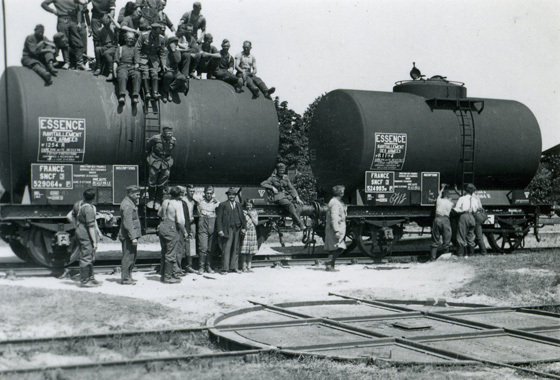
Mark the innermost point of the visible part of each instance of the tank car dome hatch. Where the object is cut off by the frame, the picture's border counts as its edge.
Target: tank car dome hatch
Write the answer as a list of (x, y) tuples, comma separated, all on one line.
[(434, 87)]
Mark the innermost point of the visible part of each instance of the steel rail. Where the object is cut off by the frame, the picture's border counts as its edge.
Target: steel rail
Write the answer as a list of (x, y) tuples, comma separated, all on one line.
[(247, 355)]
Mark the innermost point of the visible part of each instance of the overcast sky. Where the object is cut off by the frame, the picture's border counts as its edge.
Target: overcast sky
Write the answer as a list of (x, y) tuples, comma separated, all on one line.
[(507, 49)]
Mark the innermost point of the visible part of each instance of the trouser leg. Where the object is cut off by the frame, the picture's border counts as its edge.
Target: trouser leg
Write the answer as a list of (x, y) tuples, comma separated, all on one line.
[(292, 210), (335, 255), (75, 41), (252, 87), (136, 81), (128, 260), (226, 244), (480, 238), (185, 63), (260, 84), (40, 69), (236, 245), (166, 83), (99, 51), (122, 78)]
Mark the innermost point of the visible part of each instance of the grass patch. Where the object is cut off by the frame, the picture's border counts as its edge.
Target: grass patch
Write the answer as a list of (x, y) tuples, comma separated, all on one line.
[(519, 279), (42, 312)]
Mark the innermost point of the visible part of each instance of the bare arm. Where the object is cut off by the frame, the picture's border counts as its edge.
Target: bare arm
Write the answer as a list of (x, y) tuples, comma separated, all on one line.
[(45, 5)]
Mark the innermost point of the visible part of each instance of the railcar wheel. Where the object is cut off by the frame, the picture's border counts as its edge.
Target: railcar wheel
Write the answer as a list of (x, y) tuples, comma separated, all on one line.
[(505, 242), (43, 251), (20, 250), (369, 241)]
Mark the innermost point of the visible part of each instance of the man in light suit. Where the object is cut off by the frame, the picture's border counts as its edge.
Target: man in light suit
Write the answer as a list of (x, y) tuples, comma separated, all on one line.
[(231, 225)]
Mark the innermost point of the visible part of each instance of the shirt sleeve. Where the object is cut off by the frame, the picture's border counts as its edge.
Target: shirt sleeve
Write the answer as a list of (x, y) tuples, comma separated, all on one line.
[(179, 212)]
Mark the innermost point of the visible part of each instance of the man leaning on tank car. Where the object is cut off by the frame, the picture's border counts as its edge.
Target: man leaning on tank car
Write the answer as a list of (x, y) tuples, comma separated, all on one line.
[(282, 192), (441, 226), (466, 206), (158, 150), (129, 233)]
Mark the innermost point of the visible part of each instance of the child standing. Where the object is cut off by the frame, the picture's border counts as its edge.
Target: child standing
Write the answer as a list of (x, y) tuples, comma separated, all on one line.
[(250, 245)]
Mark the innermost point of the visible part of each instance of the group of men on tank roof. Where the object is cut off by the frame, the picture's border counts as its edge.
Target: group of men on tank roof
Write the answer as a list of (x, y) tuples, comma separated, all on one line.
[(133, 47)]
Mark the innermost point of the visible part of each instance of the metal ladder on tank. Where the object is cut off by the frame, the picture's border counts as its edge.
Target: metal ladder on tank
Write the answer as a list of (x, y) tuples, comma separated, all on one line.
[(466, 122), (152, 127)]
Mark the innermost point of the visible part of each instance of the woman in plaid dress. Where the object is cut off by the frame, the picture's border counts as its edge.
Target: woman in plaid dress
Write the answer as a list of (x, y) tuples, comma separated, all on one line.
[(250, 245)]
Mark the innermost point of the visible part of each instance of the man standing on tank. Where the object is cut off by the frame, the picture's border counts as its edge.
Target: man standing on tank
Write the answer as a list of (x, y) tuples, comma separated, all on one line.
[(67, 12), (158, 150), (87, 236), (151, 53), (38, 56), (246, 66), (282, 192), (100, 9), (129, 233), (231, 225), (125, 66), (441, 226), (196, 19), (466, 206)]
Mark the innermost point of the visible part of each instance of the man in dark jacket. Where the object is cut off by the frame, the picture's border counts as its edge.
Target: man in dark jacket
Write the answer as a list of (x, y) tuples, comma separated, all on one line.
[(282, 192), (151, 54), (129, 233), (158, 151), (38, 55), (172, 78), (231, 225)]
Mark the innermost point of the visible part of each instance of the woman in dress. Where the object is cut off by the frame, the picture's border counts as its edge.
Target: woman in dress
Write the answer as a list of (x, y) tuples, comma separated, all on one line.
[(335, 230), (250, 246)]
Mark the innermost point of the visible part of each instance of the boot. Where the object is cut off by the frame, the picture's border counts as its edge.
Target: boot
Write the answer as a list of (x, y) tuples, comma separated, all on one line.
[(92, 276), (155, 85), (460, 251), (201, 262), (189, 267), (470, 250), (433, 254), (164, 97), (84, 275), (146, 84), (167, 277), (39, 69), (51, 69)]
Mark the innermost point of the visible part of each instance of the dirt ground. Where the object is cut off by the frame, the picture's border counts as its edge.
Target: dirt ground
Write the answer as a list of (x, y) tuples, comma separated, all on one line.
[(42, 306)]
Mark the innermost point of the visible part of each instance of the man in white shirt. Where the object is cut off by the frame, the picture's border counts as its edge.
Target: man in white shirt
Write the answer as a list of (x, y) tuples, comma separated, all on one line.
[(466, 206), (441, 227)]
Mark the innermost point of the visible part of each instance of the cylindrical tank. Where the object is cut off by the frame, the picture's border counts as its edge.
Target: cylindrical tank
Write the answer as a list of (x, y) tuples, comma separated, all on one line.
[(222, 137), (346, 123)]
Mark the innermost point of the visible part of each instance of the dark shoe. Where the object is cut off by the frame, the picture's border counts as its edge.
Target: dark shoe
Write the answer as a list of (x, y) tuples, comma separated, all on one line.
[(95, 282), (109, 78), (51, 69), (135, 99), (97, 72), (122, 99), (171, 280), (210, 270), (223, 272), (256, 94), (433, 254), (190, 269), (87, 284), (238, 90), (128, 282), (330, 268), (271, 91)]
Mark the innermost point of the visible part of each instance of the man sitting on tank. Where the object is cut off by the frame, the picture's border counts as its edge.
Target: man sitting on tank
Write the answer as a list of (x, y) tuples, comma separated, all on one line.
[(190, 50), (125, 67), (158, 150), (246, 66), (106, 48), (210, 57), (282, 192), (224, 68), (173, 80), (151, 54), (38, 55), (135, 22)]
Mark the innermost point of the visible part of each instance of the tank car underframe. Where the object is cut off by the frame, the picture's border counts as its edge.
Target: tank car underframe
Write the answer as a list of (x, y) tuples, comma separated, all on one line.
[(375, 231)]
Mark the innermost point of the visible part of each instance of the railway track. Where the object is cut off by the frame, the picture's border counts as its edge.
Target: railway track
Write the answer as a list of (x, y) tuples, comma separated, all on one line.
[(282, 260)]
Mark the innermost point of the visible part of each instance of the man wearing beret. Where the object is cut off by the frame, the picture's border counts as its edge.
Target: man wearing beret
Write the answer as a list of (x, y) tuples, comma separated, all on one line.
[(158, 150), (173, 79), (151, 55), (282, 192), (129, 233), (231, 225)]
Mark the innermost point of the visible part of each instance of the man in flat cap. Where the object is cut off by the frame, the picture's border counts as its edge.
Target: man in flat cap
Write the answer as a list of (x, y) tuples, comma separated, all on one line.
[(282, 192), (158, 150), (231, 225), (196, 19), (129, 233), (151, 55), (466, 206), (38, 55), (173, 79)]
